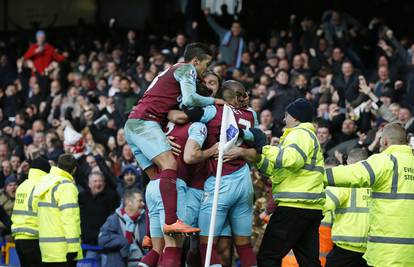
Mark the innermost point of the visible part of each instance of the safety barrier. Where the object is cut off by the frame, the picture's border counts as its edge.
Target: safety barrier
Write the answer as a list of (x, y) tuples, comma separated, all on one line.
[(10, 258), (8, 254), (90, 262)]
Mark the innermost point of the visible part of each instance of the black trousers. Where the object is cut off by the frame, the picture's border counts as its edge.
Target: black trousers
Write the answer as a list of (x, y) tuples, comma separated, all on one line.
[(339, 257), (291, 228), (29, 252), (60, 264)]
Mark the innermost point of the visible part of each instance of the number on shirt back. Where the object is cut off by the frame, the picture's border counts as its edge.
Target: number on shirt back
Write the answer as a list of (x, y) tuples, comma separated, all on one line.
[(247, 125), (244, 125), (170, 127)]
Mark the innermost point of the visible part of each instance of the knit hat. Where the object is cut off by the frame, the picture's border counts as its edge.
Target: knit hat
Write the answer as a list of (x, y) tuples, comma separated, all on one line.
[(130, 168), (27, 139), (40, 163), (10, 179), (301, 109)]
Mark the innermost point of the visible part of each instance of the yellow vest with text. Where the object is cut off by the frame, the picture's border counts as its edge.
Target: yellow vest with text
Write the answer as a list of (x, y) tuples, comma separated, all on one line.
[(296, 168), (59, 217), (390, 175), (351, 216), (24, 216)]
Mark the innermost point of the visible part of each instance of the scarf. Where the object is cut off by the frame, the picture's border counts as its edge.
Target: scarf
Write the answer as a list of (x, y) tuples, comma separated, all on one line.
[(129, 224)]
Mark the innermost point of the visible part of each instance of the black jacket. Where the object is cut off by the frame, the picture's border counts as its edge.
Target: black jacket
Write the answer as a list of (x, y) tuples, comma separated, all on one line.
[(94, 211), (283, 97)]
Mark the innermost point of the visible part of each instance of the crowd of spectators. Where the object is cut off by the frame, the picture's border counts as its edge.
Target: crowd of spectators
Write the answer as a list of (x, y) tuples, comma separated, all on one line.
[(77, 97)]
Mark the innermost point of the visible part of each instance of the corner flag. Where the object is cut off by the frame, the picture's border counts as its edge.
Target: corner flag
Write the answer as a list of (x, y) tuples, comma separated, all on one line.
[(229, 132)]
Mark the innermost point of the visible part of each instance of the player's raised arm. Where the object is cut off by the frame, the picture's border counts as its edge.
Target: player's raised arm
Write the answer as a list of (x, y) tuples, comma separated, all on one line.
[(186, 75), (197, 57)]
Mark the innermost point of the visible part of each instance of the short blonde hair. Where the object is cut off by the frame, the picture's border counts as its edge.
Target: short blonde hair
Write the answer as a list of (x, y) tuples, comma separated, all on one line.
[(395, 133)]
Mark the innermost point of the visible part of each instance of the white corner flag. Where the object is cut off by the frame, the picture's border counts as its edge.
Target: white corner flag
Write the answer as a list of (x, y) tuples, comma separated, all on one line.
[(229, 133), (229, 130)]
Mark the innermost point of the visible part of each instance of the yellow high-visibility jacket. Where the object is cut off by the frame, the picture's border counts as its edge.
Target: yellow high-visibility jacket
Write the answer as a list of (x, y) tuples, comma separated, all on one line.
[(24, 216), (296, 168), (351, 216), (59, 217), (390, 175)]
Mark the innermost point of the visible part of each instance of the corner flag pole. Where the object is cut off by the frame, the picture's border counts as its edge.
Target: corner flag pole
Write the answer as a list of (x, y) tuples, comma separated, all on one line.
[(228, 136), (215, 203)]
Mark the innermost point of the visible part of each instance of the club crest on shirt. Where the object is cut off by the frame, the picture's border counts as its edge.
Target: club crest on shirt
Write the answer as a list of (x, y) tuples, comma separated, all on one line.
[(231, 132)]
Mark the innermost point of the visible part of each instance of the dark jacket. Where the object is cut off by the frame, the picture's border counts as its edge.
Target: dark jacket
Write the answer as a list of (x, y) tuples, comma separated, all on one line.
[(124, 102), (113, 241), (277, 104), (94, 211), (348, 90)]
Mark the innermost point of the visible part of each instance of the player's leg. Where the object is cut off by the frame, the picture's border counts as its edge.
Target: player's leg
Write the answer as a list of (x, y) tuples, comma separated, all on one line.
[(168, 176), (215, 259), (221, 216), (151, 259), (173, 251), (225, 245), (241, 216), (173, 244), (225, 250), (147, 242), (193, 198), (151, 172), (152, 197), (193, 258), (150, 145)]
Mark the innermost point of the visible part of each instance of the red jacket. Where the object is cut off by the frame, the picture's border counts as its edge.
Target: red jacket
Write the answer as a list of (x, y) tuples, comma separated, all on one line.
[(42, 60)]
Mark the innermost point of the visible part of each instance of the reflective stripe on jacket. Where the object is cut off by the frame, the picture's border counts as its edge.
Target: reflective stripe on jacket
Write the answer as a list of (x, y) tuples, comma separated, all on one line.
[(390, 175), (351, 216), (24, 216), (296, 168), (59, 218)]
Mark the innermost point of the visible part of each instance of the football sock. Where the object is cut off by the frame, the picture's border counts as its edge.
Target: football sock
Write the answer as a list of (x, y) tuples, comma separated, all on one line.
[(151, 258), (215, 258), (246, 255), (171, 257), (168, 189)]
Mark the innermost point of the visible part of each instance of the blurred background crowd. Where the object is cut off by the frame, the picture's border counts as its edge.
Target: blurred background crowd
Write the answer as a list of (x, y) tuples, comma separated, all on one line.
[(72, 89)]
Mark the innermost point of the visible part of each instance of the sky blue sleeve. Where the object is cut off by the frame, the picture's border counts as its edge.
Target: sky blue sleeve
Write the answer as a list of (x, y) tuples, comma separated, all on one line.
[(186, 75), (256, 120), (197, 132), (209, 113), (248, 136)]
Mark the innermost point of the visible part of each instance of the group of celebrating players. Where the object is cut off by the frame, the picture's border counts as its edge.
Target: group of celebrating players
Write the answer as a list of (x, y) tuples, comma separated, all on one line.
[(174, 132)]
